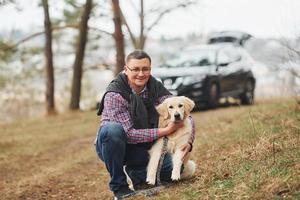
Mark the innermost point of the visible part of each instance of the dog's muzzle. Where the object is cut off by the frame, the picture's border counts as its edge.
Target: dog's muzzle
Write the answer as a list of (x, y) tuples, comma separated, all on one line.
[(177, 116)]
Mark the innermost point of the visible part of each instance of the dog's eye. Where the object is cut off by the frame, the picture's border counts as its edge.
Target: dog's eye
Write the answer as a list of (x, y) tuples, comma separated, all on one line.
[(180, 105), (171, 107)]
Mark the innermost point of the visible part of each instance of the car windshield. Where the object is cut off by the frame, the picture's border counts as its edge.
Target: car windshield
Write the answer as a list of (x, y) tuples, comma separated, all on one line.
[(193, 58)]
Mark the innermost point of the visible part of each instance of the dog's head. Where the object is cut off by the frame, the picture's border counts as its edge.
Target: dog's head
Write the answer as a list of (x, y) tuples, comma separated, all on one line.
[(175, 108)]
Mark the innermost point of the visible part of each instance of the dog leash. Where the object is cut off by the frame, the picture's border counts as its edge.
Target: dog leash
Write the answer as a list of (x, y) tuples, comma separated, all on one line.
[(159, 186), (161, 159)]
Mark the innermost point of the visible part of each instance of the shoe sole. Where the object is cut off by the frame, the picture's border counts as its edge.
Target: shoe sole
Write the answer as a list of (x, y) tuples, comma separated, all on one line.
[(125, 196)]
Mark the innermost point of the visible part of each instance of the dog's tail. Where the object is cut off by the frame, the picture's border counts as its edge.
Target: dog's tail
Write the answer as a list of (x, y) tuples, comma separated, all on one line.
[(189, 169)]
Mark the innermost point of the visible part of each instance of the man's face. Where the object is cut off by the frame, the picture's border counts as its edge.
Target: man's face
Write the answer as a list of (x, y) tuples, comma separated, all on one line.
[(138, 73)]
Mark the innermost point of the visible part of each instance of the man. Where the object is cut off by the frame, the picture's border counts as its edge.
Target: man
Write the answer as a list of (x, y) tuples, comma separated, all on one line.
[(129, 124)]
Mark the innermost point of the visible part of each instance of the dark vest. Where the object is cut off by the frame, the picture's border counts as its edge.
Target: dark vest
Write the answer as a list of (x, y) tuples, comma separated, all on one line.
[(142, 111)]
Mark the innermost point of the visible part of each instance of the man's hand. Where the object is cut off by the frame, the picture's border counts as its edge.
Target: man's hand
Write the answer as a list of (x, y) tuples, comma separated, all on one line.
[(170, 128), (173, 126), (186, 150)]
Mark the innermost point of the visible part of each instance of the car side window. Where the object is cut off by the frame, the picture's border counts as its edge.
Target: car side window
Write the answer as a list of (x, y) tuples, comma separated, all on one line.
[(229, 55), (196, 62), (244, 55), (222, 58), (197, 58)]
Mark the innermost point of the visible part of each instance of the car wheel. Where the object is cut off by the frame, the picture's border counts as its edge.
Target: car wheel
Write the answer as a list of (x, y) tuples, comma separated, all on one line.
[(213, 96), (247, 97)]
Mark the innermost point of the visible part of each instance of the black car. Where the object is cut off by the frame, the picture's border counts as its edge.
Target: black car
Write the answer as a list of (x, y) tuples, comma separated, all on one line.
[(208, 72)]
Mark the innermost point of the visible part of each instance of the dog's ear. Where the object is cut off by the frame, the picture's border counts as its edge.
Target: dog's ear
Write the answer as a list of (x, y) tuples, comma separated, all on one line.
[(188, 106), (163, 110)]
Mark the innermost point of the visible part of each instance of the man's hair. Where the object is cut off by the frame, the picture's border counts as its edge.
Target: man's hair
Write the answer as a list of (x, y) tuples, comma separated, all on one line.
[(137, 54)]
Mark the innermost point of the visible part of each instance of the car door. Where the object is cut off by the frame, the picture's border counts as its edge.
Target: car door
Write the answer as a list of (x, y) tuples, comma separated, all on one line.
[(230, 71), (224, 71), (245, 65)]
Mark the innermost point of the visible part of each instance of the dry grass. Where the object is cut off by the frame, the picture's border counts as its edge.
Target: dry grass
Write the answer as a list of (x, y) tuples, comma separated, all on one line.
[(241, 152)]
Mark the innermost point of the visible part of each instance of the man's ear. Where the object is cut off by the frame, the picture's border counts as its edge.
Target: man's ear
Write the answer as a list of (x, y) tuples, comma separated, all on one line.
[(188, 105), (163, 110), (125, 69)]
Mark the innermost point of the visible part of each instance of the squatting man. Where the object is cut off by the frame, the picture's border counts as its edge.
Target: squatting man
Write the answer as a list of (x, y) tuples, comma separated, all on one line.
[(129, 125)]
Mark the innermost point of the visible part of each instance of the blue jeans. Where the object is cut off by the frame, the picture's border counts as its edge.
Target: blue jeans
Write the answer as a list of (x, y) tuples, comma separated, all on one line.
[(113, 150)]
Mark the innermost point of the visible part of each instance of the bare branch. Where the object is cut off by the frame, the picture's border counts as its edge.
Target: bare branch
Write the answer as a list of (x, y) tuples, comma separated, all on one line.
[(294, 50), (132, 37), (139, 41), (86, 68), (161, 8), (285, 43), (55, 28), (295, 73), (101, 31), (96, 67), (168, 10), (293, 55), (154, 10)]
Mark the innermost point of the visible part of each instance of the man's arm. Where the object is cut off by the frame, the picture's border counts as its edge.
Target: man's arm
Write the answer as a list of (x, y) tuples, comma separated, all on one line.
[(192, 138), (116, 109)]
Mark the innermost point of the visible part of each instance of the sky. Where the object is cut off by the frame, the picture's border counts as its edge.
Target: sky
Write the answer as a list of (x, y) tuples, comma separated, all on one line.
[(261, 18)]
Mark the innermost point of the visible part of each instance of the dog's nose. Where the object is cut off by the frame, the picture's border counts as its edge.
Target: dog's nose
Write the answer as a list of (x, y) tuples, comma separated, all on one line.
[(177, 116)]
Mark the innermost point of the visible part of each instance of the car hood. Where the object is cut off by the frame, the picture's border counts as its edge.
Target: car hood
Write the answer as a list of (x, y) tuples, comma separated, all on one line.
[(181, 71)]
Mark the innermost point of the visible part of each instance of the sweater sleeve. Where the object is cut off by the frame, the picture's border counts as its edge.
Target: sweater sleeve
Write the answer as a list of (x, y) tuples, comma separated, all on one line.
[(116, 109)]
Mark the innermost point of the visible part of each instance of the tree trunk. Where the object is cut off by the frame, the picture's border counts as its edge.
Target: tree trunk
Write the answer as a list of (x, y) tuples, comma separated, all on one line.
[(118, 36), (77, 67), (50, 101), (142, 36)]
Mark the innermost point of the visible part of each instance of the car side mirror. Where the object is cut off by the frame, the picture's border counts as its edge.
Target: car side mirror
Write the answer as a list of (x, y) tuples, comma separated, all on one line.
[(223, 61), (223, 64)]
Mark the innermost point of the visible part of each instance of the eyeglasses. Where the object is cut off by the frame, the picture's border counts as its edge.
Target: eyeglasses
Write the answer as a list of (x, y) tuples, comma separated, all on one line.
[(136, 70)]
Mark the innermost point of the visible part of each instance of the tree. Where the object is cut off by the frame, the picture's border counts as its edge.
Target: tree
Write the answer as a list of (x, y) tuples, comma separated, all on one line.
[(4, 2), (157, 13), (50, 101), (293, 54), (118, 36), (77, 67)]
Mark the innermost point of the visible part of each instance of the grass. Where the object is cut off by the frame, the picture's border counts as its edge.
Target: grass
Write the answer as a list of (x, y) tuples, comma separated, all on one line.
[(249, 152)]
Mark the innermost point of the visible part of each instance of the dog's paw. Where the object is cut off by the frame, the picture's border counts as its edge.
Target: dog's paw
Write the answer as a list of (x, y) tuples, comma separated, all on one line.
[(150, 180), (175, 176)]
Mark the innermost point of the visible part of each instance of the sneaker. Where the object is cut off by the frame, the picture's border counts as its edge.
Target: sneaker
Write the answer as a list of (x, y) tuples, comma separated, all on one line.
[(123, 193), (142, 186)]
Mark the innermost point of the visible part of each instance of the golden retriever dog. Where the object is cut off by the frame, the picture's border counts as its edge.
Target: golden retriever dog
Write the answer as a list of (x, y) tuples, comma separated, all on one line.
[(173, 109)]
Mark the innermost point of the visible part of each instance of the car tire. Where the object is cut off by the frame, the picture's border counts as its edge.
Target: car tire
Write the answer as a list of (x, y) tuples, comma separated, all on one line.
[(247, 98), (213, 96)]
